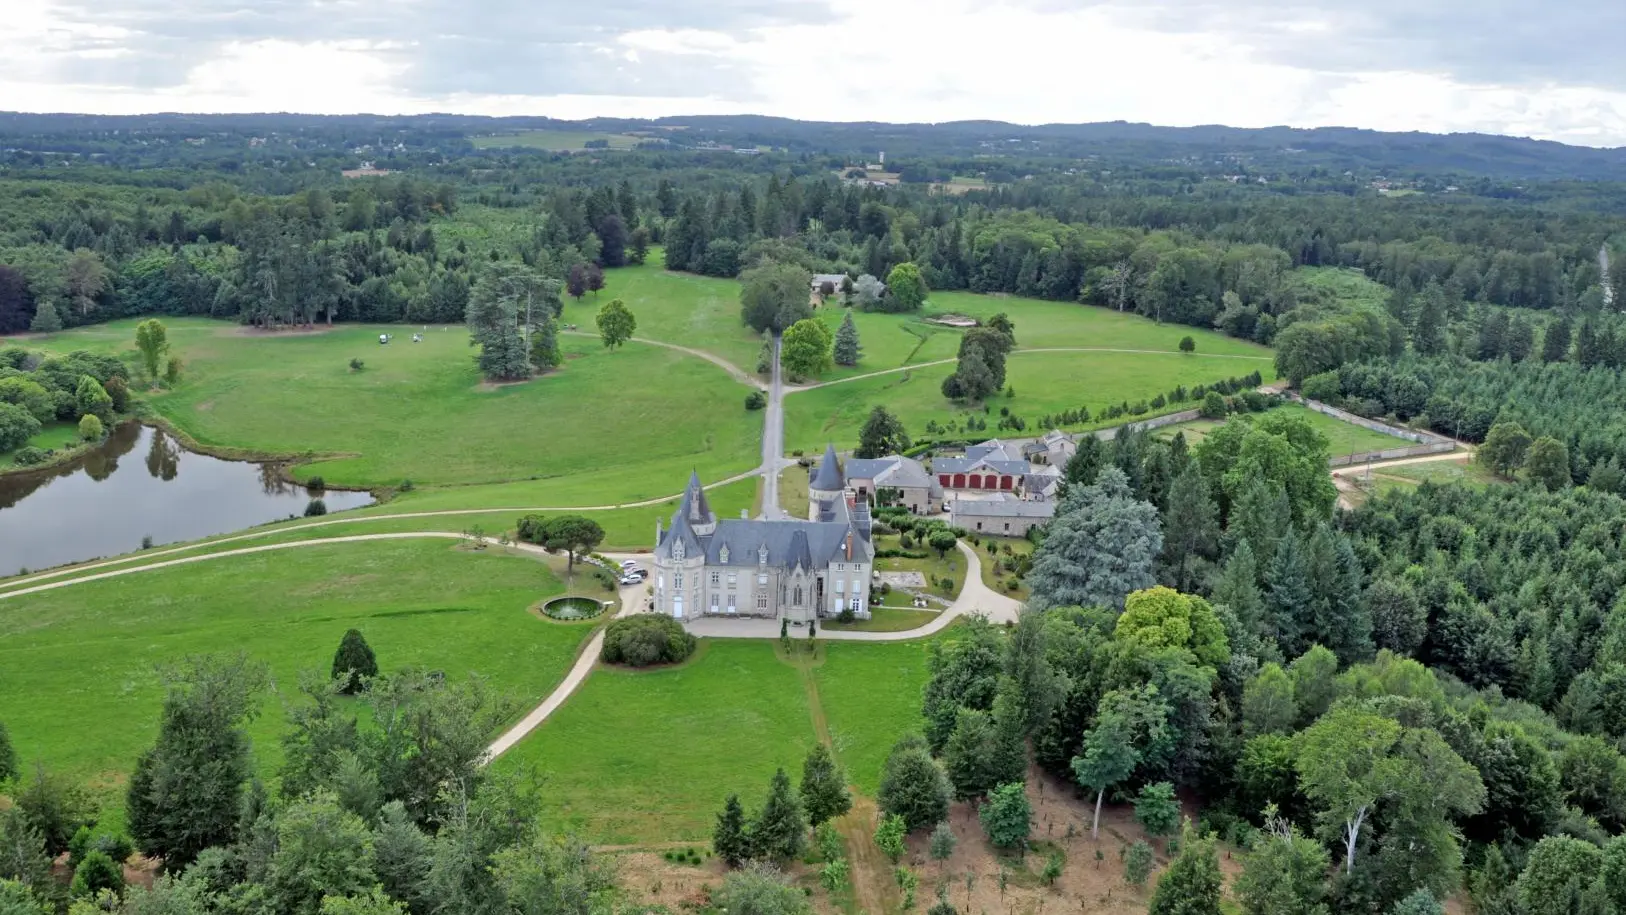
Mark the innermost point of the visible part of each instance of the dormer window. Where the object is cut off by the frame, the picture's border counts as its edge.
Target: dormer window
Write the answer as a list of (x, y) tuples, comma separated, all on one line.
[(762, 555), (722, 554)]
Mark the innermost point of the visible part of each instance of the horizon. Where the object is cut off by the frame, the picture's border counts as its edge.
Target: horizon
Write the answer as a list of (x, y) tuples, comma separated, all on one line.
[(1447, 67)]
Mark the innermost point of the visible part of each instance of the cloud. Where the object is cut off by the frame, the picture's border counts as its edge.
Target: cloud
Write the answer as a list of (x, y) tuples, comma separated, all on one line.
[(1502, 66)]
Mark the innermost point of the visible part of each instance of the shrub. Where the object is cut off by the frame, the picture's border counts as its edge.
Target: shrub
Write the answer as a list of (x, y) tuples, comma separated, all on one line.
[(756, 400), (1187, 344), (1324, 387), (90, 428), (95, 873), (357, 365), (29, 455), (315, 484), (1213, 406), (645, 640), (406, 486), (315, 508)]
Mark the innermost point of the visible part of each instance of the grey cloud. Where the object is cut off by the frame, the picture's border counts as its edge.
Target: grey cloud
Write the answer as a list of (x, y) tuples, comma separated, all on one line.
[(1499, 42), (477, 46)]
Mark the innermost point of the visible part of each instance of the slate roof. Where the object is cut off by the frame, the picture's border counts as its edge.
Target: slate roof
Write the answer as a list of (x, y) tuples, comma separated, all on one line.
[(893, 470), (1002, 508), (969, 463), (828, 479), (790, 544)]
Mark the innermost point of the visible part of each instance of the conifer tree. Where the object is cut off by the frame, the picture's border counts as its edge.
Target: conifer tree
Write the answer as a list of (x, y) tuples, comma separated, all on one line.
[(847, 350), (728, 838), (1101, 546), (354, 662), (545, 345), (46, 320), (1238, 588), (779, 832), (1191, 527), (824, 787), (1288, 595)]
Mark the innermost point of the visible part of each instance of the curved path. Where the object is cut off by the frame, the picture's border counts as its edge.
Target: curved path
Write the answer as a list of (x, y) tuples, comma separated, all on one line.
[(1017, 352), (308, 525), (740, 375)]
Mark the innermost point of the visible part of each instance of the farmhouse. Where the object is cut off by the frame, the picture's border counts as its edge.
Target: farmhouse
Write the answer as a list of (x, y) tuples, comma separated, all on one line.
[(795, 570), (895, 480), (834, 279), (1005, 516)]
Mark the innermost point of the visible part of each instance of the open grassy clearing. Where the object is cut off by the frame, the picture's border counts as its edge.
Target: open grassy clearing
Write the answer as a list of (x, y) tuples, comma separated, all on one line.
[(871, 694), (1456, 471), (78, 684), (650, 756), (625, 529), (997, 578), (553, 140), (419, 412), (55, 436), (1342, 437), (884, 619), (1044, 383)]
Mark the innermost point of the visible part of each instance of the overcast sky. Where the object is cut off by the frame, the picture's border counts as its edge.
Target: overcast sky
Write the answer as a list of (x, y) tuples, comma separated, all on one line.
[(1554, 69)]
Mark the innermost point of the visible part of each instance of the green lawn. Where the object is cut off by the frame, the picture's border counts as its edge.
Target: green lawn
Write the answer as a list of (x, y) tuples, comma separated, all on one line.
[(885, 619), (870, 693), (996, 580), (419, 412), (650, 756), (1458, 471), (78, 687), (553, 139), (1044, 383), (1342, 437), (54, 436)]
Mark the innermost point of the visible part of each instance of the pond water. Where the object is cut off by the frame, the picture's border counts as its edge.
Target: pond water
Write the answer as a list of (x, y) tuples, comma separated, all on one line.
[(140, 483)]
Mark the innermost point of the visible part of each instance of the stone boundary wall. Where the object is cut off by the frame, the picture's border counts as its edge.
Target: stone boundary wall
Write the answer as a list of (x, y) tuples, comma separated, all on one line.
[(1427, 442)]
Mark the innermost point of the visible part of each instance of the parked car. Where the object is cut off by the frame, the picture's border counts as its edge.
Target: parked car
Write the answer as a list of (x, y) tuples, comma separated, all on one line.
[(628, 565), (633, 576)]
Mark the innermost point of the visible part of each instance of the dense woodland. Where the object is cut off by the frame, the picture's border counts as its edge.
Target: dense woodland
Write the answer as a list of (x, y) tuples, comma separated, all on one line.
[(1378, 709)]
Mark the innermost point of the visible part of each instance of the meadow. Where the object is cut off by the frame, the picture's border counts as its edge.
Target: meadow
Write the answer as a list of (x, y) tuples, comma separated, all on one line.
[(79, 684), (55, 436), (870, 693), (650, 756), (420, 412), (1043, 382), (1342, 437)]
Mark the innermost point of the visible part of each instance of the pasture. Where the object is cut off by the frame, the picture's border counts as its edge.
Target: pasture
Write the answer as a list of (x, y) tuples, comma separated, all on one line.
[(1044, 383), (420, 412), (79, 687), (650, 756), (1342, 437)]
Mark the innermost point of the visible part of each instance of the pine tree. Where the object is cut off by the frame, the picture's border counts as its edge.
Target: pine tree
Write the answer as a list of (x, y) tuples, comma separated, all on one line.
[(847, 349), (779, 832), (824, 787), (1428, 334), (1288, 595), (883, 434), (1101, 545), (1238, 588), (354, 662), (1190, 526), (966, 756), (728, 839), (545, 345), (46, 320), (1008, 747), (1555, 341)]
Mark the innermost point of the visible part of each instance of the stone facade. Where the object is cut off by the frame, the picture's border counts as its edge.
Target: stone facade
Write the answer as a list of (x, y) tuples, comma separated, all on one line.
[(793, 569)]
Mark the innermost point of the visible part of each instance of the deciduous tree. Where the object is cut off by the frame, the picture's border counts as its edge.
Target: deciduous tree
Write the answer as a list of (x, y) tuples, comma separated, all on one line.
[(913, 786), (805, 350), (1007, 818), (616, 324), (1102, 545), (773, 296), (883, 434), (152, 341)]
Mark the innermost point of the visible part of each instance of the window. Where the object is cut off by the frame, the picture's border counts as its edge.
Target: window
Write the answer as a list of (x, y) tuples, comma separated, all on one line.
[(841, 585), (798, 600), (715, 578), (762, 579), (733, 579), (731, 604), (714, 603), (979, 525), (677, 581), (841, 567), (762, 601), (856, 605), (1007, 527)]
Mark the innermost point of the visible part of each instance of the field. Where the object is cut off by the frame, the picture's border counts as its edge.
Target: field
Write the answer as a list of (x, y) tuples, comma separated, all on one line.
[(1044, 382), (419, 411), (79, 689), (650, 756), (1342, 437), (870, 694), (557, 140)]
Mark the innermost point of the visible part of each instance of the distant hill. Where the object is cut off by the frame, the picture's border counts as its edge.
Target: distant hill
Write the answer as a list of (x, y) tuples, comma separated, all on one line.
[(1332, 148)]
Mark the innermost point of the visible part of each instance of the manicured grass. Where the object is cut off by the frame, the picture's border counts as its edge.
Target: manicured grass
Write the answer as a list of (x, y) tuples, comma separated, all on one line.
[(1342, 437), (1459, 471), (870, 693), (419, 412), (650, 756), (885, 619), (793, 496), (950, 565), (55, 436), (996, 580), (78, 684), (1044, 383), (552, 139)]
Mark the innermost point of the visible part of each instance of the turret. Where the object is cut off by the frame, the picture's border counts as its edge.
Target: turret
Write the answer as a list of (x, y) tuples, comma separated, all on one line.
[(827, 483)]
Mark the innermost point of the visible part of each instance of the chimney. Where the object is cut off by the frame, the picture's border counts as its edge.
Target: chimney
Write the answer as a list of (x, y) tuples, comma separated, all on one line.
[(745, 514)]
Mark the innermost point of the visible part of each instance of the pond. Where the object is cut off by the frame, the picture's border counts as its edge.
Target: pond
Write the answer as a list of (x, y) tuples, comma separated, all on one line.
[(140, 483)]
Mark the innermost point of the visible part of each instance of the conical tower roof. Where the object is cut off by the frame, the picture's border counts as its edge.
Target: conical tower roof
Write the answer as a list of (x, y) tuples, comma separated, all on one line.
[(828, 479), (694, 504)]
